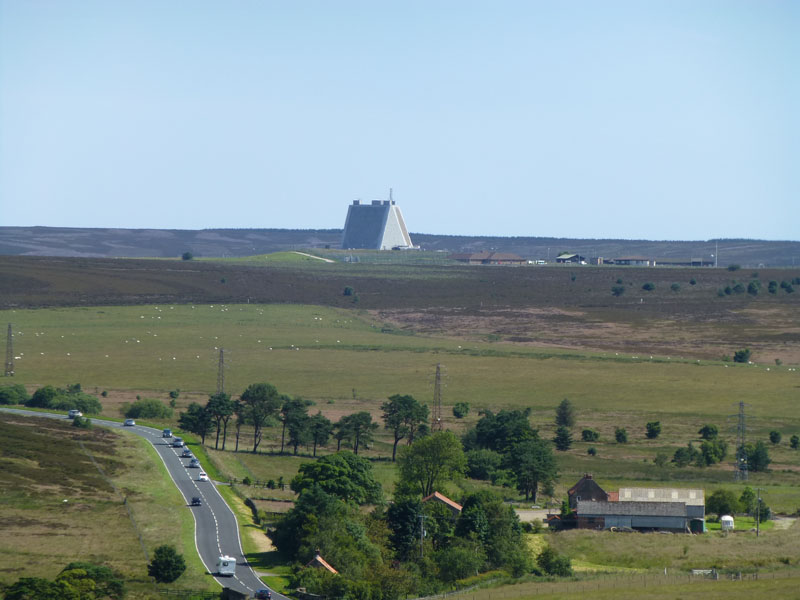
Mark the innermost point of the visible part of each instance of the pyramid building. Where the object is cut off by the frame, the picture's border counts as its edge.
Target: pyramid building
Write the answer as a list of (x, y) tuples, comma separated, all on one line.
[(375, 226)]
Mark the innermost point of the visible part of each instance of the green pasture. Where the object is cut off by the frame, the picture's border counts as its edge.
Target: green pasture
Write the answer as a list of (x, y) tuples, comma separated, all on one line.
[(330, 356)]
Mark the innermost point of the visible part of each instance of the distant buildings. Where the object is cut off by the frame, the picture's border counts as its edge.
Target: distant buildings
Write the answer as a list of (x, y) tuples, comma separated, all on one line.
[(375, 226), (489, 258)]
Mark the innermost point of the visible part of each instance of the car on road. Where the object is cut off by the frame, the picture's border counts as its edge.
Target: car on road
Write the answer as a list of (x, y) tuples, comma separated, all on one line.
[(167, 433), (263, 594), (129, 423), (196, 501), (202, 476), (74, 413), (194, 464), (186, 453), (177, 442)]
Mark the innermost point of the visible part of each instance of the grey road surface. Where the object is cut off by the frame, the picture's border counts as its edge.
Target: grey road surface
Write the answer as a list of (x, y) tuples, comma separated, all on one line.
[(216, 529)]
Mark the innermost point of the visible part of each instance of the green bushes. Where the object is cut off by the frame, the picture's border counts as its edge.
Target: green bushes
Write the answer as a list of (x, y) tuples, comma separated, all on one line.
[(146, 408), (65, 399), (590, 435), (13, 394)]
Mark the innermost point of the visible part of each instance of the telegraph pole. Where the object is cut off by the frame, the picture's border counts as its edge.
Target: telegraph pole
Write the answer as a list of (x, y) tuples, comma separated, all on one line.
[(437, 399), (740, 474), (758, 511), (421, 534), (9, 368), (221, 372)]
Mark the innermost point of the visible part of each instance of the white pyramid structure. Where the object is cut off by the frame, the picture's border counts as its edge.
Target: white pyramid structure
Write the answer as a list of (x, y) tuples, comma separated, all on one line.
[(378, 225)]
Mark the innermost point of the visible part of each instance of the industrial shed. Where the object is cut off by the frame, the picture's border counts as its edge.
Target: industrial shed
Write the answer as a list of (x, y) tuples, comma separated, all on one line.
[(642, 516)]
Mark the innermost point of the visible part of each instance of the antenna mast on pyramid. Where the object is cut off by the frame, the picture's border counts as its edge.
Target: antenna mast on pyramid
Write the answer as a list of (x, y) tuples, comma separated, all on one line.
[(221, 372), (9, 369), (436, 425)]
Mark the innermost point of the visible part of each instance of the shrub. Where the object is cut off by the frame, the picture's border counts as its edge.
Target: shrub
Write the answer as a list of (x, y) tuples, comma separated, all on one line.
[(167, 565), (693, 281), (753, 288), (775, 437), (649, 286), (653, 429), (738, 288), (460, 410), (82, 422), (742, 356), (661, 459), (104, 394), (675, 287), (13, 394), (589, 435), (728, 290), (65, 399), (621, 435), (711, 452), (348, 291), (592, 451), (685, 456), (617, 290), (483, 463), (709, 432), (187, 256), (173, 394), (147, 408), (734, 267), (772, 287), (794, 442), (552, 563)]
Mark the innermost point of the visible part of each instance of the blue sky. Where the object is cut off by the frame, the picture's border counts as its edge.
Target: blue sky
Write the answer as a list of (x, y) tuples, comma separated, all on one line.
[(648, 119)]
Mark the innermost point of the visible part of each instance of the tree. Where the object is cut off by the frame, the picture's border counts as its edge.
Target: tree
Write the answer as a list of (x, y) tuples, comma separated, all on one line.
[(460, 410), (13, 394), (239, 420), (299, 430), (147, 408), (320, 429), (360, 428), (775, 437), (108, 583), (293, 410), (621, 435), (482, 463), (36, 588), (794, 442), (344, 475), (685, 456), (711, 452), (653, 429), (167, 565), (747, 501), (533, 465), (742, 356), (431, 461), (648, 287), (187, 256), (617, 290), (563, 439), (221, 408), (722, 502), (757, 456), (402, 517), (709, 432), (589, 435), (460, 559), (260, 405), (501, 431), (402, 415), (197, 420), (675, 287), (565, 414)]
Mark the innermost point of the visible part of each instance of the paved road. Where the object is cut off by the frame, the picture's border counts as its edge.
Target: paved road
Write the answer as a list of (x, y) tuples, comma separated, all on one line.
[(216, 530)]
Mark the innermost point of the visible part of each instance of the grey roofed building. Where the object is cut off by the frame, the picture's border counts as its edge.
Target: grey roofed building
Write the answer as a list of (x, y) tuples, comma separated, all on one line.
[(694, 499), (668, 516), (375, 226)]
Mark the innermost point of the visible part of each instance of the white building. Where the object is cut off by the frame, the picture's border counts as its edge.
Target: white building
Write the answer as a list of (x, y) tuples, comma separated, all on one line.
[(375, 226)]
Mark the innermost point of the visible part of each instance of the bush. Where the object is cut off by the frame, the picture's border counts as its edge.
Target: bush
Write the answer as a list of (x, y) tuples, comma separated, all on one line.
[(738, 288), (675, 287), (709, 432), (173, 394), (775, 437), (167, 565), (649, 286), (552, 563), (653, 429), (147, 408), (592, 451), (187, 256), (685, 456), (742, 356), (693, 281), (734, 267), (661, 460), (65, 399), (772, 287), (794, 442), (460, 410), (589, 435), (348, 291), (82, 422), (13, 394), (621, 435), (483, 463), (248, 481), (617, 290), (753, 288)]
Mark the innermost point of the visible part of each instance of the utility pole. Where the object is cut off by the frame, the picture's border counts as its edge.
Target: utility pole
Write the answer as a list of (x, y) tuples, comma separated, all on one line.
[(421, 534), (758, 511), (9, 368), (740, 473), (221, 372), (437, 400)]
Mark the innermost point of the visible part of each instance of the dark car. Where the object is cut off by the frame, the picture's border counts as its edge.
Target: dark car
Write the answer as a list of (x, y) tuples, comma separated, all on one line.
[(186, 453), (196, 501), (263, 594)]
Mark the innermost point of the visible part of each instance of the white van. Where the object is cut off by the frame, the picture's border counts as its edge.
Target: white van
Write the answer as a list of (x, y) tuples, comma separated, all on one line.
[(226, 566)]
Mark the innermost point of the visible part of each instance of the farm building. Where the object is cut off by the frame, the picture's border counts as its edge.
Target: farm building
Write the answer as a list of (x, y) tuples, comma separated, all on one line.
[(571, 258), (375, 226), (668, 509), (642, 516), (454, 507), (489, 258)]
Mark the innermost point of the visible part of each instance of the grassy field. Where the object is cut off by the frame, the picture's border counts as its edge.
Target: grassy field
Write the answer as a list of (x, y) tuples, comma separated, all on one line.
[(58, 507)]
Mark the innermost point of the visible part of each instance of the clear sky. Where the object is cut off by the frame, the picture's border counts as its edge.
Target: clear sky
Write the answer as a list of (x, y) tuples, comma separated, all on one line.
[(572, 118)]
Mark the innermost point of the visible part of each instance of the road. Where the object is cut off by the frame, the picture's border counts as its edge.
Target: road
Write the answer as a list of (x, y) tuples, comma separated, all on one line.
[(216, 529)]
